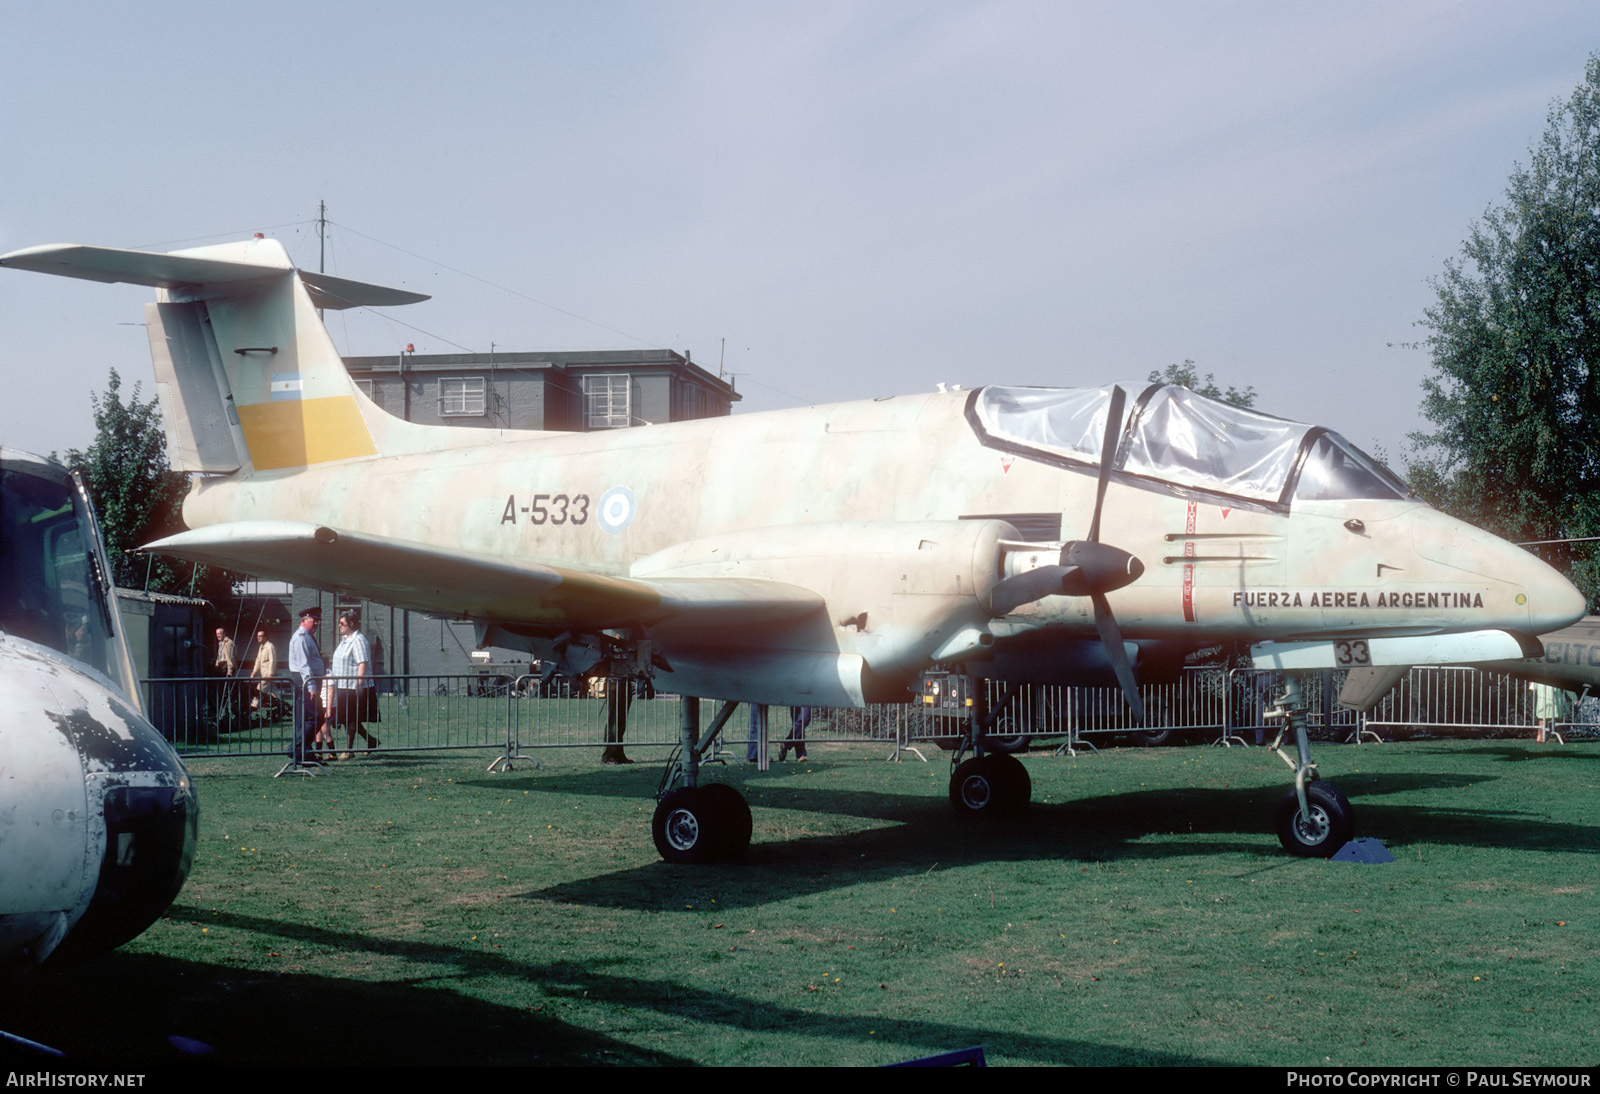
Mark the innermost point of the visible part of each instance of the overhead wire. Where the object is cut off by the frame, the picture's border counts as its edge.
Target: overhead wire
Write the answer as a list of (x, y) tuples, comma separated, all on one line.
[(219, 235), (503, 288), (335, 241)]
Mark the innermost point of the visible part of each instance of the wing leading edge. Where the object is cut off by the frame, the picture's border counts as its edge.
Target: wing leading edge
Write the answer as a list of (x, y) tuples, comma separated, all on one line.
[(481, 587)]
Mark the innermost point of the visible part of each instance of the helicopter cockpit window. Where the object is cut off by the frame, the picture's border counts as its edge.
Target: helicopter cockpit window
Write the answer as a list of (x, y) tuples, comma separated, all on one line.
[(1334, 469), (1175, 436), (48, 593)]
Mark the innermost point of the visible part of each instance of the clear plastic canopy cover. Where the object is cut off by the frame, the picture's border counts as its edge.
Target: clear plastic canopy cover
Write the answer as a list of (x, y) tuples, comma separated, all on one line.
[(1175, 436)]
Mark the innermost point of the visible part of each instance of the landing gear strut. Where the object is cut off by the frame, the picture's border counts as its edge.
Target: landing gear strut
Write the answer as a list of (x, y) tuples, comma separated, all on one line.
[(990, 782), (1314, 819), (694, 823)]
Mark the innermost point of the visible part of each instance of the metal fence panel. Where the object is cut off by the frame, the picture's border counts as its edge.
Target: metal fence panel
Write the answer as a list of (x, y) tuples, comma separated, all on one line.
[(243, 717)]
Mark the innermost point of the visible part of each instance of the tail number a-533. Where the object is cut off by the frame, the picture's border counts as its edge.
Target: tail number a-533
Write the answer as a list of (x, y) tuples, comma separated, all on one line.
[(548, 509)]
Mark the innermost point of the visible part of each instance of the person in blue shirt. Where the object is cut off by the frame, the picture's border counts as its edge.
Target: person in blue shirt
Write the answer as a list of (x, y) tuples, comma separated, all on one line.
[(305, 663)]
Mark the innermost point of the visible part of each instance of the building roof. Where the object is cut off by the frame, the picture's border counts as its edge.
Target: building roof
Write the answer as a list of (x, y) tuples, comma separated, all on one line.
[(627, 360)]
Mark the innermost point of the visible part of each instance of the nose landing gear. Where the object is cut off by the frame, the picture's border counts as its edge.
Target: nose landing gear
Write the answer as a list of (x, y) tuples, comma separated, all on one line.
[(1315, 819)]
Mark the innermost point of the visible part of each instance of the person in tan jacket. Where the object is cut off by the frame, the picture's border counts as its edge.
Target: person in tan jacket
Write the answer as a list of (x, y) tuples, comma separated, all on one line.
[(265, 667)]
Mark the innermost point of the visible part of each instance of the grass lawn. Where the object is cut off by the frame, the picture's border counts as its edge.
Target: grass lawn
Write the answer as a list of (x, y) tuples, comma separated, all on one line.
[(417, 910)]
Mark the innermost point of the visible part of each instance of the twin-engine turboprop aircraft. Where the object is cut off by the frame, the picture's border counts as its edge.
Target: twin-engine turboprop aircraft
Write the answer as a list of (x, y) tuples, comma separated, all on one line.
[(822, 556), (97, 814)]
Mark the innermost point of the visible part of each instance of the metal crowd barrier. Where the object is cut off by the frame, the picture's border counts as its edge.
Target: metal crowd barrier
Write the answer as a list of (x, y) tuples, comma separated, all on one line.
[(240, 716), (1463, 700)]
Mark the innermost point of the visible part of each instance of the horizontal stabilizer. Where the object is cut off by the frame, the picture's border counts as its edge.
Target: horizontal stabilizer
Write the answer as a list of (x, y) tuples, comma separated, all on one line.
[(164, 271), (190, 272), (335, 293), (480, 587)]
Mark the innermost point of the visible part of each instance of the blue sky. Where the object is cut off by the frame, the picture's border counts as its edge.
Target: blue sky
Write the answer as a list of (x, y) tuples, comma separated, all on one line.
[(861, 199)]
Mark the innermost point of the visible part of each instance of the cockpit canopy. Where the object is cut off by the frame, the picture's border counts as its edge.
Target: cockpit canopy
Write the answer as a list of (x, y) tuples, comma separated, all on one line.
[(54, 585), (1173, 436)]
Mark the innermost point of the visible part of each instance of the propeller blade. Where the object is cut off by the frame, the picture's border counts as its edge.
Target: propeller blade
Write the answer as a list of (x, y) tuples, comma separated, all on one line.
[(1108, 453), (1111, 638), (1024, 588)]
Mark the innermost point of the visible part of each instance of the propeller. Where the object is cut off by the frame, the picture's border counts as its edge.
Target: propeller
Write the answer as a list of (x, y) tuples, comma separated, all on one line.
[(1089, 568)]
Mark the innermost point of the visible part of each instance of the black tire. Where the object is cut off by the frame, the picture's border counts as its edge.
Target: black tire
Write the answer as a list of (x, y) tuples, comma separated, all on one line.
[(1330, 826), (685, 826), (1013, 776), (1162, 732), (730, 819), (1005, 738), (1153, 738), (991, 785)]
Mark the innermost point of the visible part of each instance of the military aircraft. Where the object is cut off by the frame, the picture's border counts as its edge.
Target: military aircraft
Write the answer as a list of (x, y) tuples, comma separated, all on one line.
[(821, 556), (1571, 659), (97, 816)]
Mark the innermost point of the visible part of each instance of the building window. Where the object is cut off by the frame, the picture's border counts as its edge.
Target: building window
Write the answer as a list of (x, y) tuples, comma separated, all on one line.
[(461, 396), (606, 400)]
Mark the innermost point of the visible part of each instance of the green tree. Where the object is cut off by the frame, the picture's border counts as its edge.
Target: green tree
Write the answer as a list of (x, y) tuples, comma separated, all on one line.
[(1188, 375), (136, 494), (1514, 334)]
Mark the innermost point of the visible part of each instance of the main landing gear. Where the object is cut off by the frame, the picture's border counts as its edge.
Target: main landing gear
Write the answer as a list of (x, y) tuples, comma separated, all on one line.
[(1314, 819), (992, 782), (701, 823), (694, 823), (990, 785)]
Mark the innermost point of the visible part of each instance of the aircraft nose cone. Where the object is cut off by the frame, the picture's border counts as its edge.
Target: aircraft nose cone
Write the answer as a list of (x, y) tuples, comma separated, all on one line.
[(1534, 596), (1554, 602)]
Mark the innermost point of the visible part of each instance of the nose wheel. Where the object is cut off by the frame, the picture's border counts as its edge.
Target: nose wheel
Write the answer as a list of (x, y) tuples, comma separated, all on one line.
[(1326, 824)]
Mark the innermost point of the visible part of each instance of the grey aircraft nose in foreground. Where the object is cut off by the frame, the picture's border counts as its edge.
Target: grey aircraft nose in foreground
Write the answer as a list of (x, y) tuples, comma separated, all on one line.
[(822, 556), (97, 814)]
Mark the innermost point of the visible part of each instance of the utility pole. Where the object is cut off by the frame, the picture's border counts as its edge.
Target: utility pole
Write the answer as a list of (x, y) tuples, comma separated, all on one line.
[(322, 241)]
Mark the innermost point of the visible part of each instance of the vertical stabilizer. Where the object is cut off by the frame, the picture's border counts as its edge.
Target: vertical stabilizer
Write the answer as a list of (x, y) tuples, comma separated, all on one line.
[(247, 376)]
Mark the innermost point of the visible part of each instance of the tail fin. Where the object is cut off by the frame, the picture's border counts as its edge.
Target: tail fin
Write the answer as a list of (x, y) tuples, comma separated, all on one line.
[(247, 376)]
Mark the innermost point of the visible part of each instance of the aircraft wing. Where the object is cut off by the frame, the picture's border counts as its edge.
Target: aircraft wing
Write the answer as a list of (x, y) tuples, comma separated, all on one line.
[(486, 588)]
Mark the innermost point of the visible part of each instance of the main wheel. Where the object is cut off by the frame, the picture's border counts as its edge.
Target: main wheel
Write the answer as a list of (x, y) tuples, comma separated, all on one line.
[(1328, 828), (685, 826), (730, 818), (1153, 738), (990, 785), (1013, 777)]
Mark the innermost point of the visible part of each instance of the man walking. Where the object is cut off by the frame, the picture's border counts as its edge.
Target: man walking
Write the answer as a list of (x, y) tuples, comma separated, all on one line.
[(265, 668), (305, 663)]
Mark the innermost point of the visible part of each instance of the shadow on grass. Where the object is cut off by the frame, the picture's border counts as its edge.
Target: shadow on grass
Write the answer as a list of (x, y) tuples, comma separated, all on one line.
[(254, 1017), (1129, 826), (119, 1009), (1512, 752)]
